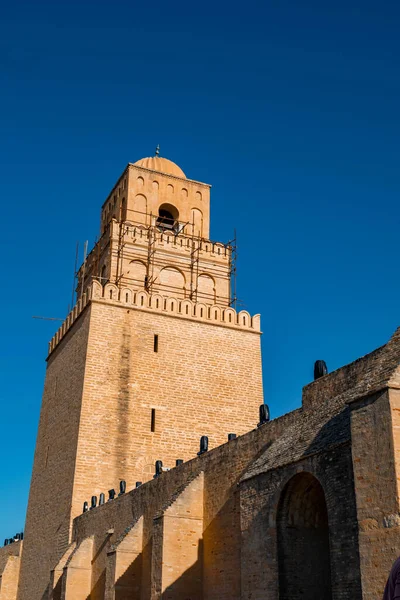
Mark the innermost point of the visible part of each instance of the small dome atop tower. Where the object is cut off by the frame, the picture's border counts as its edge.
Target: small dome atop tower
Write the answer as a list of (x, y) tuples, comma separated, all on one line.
[(162, 165)]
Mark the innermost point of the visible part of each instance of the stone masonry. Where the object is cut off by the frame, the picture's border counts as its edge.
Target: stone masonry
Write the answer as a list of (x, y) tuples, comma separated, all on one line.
[(152, 357)]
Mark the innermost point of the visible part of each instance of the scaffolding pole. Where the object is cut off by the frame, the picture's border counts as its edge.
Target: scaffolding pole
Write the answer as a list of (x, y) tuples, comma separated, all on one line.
[(194, 264), (151, 250), (75, 274), (232, 270)]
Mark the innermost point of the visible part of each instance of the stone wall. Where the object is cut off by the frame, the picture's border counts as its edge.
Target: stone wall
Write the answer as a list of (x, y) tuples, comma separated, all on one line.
[(48, 518), (113, 404), (10, 562), (172, 497), (374, 426), (215, 525), (260, 498), (350, 451), (141, 406)]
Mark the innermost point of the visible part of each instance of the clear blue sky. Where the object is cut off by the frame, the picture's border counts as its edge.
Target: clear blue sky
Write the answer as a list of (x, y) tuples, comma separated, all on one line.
[(289, 109)]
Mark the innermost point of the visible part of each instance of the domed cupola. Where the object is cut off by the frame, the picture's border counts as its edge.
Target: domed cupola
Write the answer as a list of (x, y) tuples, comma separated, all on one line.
[(162, 165)]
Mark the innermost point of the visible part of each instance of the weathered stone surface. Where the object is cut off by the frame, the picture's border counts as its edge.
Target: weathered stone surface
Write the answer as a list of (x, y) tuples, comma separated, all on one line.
[(304, 506)]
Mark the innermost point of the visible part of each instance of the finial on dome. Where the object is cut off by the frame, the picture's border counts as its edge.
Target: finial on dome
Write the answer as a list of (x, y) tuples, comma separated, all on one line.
[(158, 150)]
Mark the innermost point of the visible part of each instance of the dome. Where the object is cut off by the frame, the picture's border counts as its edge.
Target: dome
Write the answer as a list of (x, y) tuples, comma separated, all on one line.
[(162, 165)]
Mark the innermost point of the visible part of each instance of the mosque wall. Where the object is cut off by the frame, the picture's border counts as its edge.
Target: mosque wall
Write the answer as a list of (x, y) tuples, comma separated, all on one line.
[(142, 367), (155, 382), (10, 562), (374, 427), (115, 401), (167, 503), (317, 485), (275, 531), (48, 521), (239, 515)]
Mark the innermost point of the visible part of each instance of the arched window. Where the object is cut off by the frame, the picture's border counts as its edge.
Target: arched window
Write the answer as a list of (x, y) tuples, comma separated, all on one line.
[(137, 273), (123, 209), (303, 541), (171, 282), (206, 288), (167, 219), (103, 275), (197, 222)]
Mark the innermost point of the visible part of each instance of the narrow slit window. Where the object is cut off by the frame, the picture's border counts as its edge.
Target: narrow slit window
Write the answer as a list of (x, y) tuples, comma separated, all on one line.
[(153, 420), (155, 343)]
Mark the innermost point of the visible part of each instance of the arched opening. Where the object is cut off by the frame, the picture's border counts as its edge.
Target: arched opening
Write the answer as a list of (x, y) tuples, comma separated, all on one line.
[(140, 209), (206, 288), (123, 209), (103, 275), (171, 282), (197, 222), (167, 219), (137, 273), (303, 541)]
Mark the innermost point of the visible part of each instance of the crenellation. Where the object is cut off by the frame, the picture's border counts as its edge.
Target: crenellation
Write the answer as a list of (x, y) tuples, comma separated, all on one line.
[(141, 300)]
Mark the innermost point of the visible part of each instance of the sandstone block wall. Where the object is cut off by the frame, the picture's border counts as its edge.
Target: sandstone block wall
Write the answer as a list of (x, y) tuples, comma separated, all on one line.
[(352, 453), (77, 575), (123, 576), (218, 552), (48, 520), (203, 380), (178, 532), (374, 422), (260, 497), (10, 562), (114, 403)]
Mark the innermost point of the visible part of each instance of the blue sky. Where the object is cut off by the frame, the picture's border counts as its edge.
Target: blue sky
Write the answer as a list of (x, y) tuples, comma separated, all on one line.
[(289, 109)]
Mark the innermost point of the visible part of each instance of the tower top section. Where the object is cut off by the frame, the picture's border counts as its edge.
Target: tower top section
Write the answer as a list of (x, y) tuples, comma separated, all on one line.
[(155, 191), (154, 236), (160, 165)]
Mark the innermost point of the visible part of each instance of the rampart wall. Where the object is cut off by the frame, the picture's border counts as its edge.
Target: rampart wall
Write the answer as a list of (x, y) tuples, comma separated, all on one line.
[(10, 562)]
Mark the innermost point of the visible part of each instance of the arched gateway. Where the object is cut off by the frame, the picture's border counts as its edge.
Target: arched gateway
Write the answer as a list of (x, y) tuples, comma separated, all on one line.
[(303, 541)]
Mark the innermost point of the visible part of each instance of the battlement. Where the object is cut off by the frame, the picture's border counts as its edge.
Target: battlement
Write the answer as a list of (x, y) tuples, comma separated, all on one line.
[(141, 300), (180, 242), (139, 235)]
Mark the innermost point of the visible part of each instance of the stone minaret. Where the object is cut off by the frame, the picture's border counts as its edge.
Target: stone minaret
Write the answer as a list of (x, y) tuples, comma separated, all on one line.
[(152, 357)]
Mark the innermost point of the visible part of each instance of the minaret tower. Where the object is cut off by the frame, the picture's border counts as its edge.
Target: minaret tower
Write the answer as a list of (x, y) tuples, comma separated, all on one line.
[(152, 357), (154, 229)]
